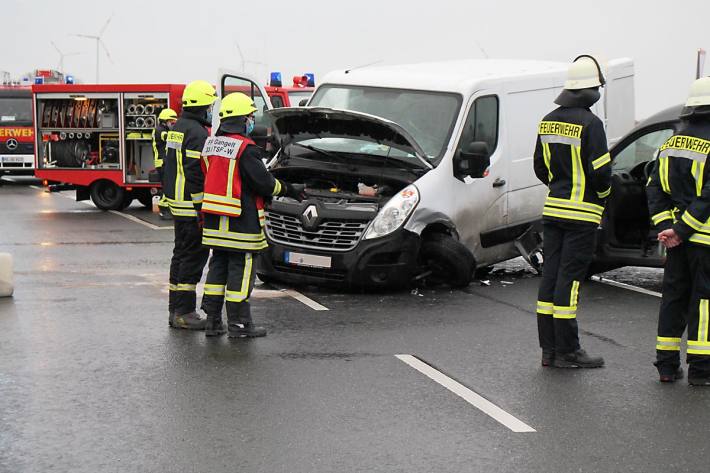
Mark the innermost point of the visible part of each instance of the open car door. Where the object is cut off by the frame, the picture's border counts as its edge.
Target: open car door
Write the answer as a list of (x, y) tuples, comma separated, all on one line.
[(232, 81)]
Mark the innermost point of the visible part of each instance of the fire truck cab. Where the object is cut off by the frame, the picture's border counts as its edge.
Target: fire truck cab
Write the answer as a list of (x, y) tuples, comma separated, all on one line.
[(97, 139), (16, 131), (294, 96)]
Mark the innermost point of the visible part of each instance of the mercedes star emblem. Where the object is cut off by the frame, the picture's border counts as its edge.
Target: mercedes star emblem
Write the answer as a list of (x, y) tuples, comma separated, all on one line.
[(11, 144)]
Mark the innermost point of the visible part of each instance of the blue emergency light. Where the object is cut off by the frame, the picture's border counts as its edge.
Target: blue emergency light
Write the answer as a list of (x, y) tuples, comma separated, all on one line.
[(68, 79), (311, 79), (39, 80), (275, 80)]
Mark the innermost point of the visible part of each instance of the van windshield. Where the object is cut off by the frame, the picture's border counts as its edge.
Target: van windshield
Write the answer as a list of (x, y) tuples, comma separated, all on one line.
[(15, 111), (428, 116)]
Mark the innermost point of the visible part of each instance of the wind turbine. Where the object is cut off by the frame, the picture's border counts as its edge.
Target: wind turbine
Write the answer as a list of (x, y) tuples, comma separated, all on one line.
[(99, 41), (62, 55), (244, 61)]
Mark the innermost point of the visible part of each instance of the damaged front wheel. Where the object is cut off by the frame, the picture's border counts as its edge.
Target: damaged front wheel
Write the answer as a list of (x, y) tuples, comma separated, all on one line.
[(446, 261)]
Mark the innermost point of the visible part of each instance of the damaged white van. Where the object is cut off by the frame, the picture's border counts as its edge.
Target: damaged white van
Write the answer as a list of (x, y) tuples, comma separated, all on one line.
[(417, 171)]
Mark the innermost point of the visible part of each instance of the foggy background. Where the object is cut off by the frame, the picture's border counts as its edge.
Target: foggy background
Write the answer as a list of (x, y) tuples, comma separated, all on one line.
[(178, 41)]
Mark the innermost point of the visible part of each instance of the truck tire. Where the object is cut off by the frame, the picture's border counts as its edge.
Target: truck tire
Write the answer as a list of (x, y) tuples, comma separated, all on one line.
[(449, 261), (145, 198), (106, 195)]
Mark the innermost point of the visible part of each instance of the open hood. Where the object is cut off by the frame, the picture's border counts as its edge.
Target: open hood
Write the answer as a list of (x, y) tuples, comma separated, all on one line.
[(303, 123)]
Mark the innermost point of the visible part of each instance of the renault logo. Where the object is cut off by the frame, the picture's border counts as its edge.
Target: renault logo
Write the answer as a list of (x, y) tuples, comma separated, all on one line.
[(309, 218), (11, 144)]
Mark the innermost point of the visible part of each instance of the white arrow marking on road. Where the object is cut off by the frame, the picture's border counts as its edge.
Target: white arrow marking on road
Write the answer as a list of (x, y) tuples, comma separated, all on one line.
[(483, 404)]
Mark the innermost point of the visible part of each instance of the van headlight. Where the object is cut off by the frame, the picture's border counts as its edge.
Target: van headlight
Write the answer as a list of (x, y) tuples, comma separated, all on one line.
[(394, 213)]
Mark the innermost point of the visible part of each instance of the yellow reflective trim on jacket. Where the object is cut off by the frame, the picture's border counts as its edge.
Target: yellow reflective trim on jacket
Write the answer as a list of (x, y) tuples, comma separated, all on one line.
[(157, 162), (216, 208), (180, 177), (214, 289), (700, 238), (544, 308), (578, 176), (230, 177), (191, 153), (222, 199), (662, 216), (175, 138), (571, 215), (663, 174), (605, 194), (703, 321), (564, 312), (546, 156), (197, 198), (568, 130), (277, 188), (697, 170), (574, 205), (233, 235), (693, 222), (601, 161), (668, 343), (234, 245), (172, 287)]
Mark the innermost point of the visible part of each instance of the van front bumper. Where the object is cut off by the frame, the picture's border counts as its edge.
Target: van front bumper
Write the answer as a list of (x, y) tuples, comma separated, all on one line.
[(389, 261)]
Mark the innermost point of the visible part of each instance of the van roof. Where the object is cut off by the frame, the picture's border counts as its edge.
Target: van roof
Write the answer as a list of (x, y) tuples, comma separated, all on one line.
[(452, 76)]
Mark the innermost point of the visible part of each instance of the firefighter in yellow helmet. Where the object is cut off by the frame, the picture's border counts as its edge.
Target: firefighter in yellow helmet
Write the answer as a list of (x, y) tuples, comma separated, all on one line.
[(236, 186), (183, 176), (678, 194), (166, 120), (572, 159)]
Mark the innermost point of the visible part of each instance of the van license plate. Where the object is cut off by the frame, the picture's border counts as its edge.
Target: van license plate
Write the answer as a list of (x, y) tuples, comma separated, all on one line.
[(302, 259)]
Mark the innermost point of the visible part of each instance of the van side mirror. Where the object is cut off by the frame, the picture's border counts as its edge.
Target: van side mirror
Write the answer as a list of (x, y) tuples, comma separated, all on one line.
[(472, 160), (302, 102)]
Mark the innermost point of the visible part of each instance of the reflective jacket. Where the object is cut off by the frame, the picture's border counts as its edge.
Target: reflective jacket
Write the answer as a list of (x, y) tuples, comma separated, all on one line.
[(235, 187), (678, 189), (572, 159), (160, 133), (183, 173)]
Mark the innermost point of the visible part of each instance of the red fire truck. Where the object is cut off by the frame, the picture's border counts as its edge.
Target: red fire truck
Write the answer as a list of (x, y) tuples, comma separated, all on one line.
[(16, 131), (97, 139), (294, 96)]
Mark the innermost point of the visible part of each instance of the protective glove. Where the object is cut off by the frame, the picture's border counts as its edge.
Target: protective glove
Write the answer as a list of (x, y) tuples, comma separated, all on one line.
[(296, 191)]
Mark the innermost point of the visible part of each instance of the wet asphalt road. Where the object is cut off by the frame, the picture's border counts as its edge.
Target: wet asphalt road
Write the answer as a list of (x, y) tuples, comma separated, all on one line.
[(92, 379)]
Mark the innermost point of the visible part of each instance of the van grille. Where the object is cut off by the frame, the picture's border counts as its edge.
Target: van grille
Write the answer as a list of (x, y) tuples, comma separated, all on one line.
[(332, 234)]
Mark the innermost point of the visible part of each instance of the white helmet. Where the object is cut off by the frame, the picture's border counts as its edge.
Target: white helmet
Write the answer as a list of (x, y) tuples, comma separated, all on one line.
[(583, 73), (699, 93)]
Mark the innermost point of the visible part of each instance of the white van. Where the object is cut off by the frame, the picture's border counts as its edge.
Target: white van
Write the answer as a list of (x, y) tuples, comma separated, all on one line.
[(415, 171)]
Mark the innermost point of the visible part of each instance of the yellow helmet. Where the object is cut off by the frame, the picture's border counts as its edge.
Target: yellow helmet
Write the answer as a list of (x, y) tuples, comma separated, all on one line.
[(167, 114), (699, 93), (236, 104), (198, 93)]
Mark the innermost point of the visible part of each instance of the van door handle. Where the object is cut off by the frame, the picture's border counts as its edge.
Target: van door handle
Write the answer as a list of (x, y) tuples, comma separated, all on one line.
[(499, 182)]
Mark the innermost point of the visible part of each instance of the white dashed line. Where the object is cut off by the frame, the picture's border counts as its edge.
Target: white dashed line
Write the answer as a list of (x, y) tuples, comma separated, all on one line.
[(481, 403), (622, 285), (142, 222)]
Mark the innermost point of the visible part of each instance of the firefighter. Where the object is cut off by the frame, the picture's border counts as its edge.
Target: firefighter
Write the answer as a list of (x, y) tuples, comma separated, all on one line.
[(184, 179), (236, 186), (572, 159), (166, 120), (679, 204)]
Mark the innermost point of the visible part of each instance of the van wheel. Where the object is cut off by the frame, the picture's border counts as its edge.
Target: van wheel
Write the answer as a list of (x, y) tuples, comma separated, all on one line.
[(449, 261), (106, 195)]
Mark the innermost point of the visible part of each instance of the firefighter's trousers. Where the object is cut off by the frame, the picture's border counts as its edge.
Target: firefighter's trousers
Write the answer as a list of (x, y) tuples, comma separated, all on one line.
[(699, 312), (163, 202), (568, 251), (186, 265), (673, 314), (231, 278)]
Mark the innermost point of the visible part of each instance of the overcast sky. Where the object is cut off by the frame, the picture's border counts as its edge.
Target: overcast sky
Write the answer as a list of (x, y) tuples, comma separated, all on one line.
[(178, 41)]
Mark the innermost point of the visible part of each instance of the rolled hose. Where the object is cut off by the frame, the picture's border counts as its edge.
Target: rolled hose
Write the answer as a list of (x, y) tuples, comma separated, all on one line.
[(140, 109), (70, 153), (149, 122), (140, 122), (131, 109), (149, 109)]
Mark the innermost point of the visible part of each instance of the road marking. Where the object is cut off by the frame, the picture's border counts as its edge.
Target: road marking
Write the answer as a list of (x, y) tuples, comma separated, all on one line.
[(483, 404), (305, 300), (622, 285), (142, 222)]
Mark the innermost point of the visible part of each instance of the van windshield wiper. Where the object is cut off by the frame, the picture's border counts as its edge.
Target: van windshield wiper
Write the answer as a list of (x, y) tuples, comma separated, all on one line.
[(321, 151)]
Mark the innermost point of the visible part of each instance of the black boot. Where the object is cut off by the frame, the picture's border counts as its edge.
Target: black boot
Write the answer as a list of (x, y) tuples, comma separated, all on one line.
[(248, 330), (548, 358), (214, 326), (171, 319), (670, 375), (578, 359), (190, 321)]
